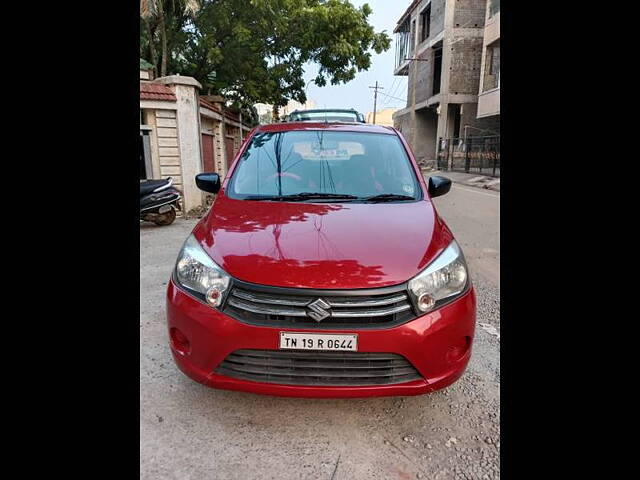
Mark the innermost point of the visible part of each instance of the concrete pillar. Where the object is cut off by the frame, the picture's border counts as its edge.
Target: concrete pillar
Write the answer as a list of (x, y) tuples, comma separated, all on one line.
[(413, 68), (443, 121), (189, 138), (443, 118), (221, 161), (223, 147)]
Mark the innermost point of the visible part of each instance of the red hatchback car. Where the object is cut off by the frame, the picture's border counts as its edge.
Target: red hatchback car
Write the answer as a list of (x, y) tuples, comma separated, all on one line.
[(322, 270)]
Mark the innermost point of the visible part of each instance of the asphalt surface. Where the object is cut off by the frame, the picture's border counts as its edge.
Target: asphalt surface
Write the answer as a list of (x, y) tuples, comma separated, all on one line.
[(188, 431)]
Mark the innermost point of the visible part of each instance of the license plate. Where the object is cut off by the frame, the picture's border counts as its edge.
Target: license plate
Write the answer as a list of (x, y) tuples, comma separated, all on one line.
[(318, 341)]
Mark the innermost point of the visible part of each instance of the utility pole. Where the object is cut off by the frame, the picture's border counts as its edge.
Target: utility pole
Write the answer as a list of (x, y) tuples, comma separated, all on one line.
[(375, 100)]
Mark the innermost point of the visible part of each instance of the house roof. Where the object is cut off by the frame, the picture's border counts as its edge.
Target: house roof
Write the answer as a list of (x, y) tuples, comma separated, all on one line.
[(224, 111), (156, 91), (406, 13), (209, 105), (144, 65)]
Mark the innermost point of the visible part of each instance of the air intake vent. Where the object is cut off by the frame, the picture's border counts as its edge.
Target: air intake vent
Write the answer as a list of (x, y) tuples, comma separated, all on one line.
[(318, 368)]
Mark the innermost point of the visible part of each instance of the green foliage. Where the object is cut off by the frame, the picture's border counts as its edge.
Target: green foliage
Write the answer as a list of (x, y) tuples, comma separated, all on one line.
[(144, 65), (255, 50)]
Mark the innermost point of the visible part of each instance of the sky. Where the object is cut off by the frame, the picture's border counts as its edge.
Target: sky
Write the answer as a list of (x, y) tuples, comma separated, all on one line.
[(356, 93)]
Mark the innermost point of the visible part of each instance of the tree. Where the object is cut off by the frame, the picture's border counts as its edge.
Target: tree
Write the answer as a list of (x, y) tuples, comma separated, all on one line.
[(255, 50), (156, 14)]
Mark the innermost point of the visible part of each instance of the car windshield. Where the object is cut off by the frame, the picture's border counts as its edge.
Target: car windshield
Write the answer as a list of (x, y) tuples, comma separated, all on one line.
[(316, 164)]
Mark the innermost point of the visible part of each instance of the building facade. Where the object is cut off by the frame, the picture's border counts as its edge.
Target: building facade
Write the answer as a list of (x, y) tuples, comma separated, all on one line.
[(183, 134), (439, 46), (383, 117), (489, 95)]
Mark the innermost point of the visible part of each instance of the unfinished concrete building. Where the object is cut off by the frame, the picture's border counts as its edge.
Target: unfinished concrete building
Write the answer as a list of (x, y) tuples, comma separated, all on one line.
[(439, 46), (489, 96)]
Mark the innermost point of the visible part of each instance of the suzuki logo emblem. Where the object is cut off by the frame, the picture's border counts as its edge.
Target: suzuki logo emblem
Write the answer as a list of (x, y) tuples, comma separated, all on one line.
[(318, 310)]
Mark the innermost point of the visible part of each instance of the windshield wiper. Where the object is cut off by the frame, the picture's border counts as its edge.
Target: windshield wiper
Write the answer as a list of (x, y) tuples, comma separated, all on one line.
[(387, 197), (305, 196)]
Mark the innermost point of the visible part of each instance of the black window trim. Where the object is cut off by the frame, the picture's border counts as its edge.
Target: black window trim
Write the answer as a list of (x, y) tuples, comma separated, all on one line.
[(422, 37)]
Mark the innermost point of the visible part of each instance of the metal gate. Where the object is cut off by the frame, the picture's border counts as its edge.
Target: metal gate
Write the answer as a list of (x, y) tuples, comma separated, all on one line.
[(228, 147), (479, 155), (146, 170), (208, 162)]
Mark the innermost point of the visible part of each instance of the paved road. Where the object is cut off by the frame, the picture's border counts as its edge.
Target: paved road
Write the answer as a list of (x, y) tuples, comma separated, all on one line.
[(189, 431), (473, 214)]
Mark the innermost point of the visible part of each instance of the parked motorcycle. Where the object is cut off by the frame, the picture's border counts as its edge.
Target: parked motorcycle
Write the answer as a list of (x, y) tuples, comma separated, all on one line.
[(159, 201)]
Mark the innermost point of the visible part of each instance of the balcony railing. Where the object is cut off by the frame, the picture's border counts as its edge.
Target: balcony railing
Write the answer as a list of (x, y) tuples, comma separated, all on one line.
[(403, 44)]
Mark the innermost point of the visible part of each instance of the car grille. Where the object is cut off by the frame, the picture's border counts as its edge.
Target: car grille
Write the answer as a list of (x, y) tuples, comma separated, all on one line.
[(285, 307), (318, 368)]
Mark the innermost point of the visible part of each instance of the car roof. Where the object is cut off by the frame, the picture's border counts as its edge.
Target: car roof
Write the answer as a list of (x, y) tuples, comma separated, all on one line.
[(336, 126), (322, 110)]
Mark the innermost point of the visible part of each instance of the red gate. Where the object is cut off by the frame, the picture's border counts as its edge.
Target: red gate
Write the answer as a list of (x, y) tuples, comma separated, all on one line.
[(228, 146), (208, 162)]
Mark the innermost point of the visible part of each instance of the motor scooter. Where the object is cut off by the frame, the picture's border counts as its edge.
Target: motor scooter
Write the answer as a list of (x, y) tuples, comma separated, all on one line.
[(159, 201)]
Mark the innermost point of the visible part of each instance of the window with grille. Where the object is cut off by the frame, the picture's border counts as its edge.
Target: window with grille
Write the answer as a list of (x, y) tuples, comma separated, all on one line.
[(492, 67), (425, 23)]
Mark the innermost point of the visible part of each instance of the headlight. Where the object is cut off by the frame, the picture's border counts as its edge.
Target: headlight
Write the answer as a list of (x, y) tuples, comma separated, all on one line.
[(444, 278), (198, 273)]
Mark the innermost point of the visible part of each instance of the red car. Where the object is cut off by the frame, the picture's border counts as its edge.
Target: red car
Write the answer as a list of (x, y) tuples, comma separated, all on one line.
[(322, 270)]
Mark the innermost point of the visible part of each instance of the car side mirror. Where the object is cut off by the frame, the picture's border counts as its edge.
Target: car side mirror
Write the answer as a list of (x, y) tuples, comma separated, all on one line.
[(438, 186), (208, 182)]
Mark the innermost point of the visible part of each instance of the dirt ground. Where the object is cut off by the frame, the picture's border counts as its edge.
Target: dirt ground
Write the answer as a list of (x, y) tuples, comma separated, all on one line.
[(189, 431)]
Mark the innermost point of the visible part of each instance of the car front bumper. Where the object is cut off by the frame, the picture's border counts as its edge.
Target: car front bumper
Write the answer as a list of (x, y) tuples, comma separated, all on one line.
[(426, 342)]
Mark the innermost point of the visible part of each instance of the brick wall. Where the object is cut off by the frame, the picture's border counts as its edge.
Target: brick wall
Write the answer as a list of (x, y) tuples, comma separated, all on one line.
[(469, 13), (437, 17), (489, 123), (424, 76), (466, 58), (469, 117)]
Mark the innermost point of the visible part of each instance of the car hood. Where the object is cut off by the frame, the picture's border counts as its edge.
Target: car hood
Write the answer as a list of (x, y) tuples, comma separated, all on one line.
[(322, 245)]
